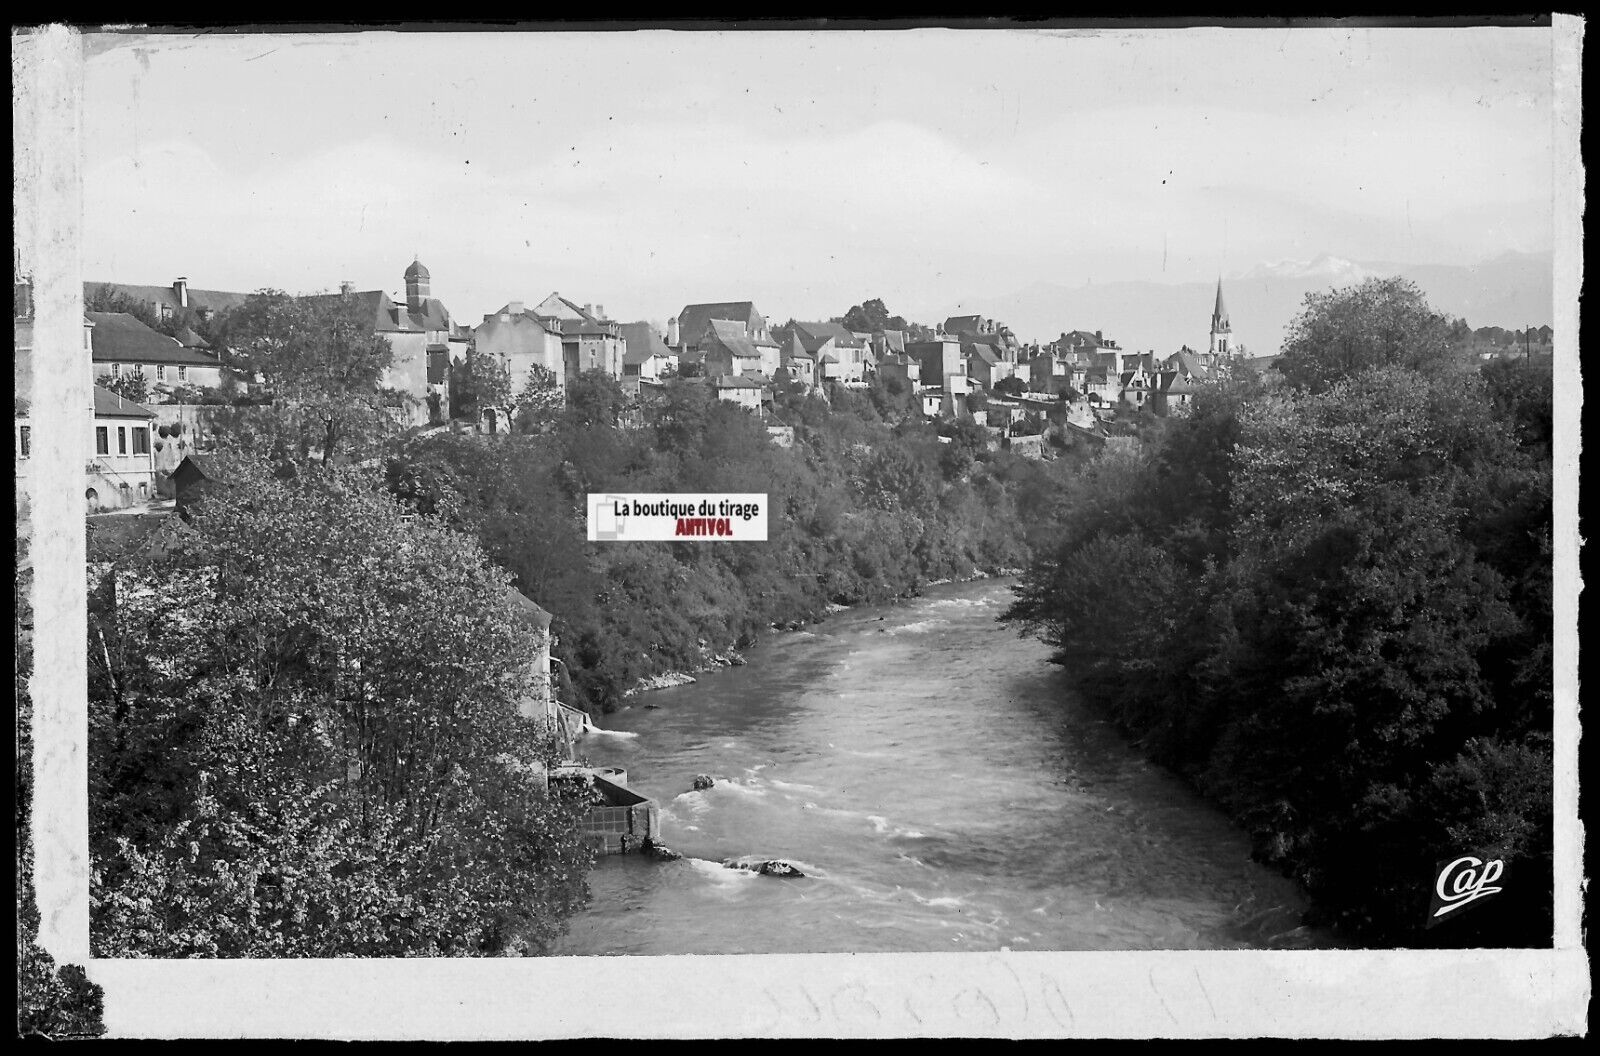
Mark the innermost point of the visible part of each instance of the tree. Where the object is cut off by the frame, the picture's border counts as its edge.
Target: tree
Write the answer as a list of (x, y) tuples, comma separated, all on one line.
[(540, 400), (327, 756), (1381, 322), (594, 398), (1012, 386), (130, 386), (872, 316), (324, 363), (479, 383)]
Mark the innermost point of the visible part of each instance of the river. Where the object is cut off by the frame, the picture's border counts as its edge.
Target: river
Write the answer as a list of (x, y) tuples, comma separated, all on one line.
[(941, 787)]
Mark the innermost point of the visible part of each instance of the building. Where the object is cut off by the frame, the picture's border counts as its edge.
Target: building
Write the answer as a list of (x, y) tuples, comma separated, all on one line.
[(983, 364), (726, 350), (899, 365), (841, 354), (1222, 342), (887, 343), (170, 302), (521, 341), (1172, 393), (941, 363), (693, 323), (646, 355), (746, 392), (120, 344), (800, 364), (589, 341), (422, 338), (121, 469)]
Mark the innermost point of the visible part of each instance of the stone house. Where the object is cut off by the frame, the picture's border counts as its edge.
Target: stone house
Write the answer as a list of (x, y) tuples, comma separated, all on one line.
[(121, 344)]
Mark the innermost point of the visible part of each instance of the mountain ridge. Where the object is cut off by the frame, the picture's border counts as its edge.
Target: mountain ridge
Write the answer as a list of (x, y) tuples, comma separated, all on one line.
[(1512, 290)]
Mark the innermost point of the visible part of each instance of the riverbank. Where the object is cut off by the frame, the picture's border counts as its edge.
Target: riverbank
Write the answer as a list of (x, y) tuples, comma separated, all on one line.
[(948, 805), (732, 658)]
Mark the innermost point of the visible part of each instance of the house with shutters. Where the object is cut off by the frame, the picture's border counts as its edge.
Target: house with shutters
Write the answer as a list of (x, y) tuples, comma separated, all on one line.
[(121, 344)]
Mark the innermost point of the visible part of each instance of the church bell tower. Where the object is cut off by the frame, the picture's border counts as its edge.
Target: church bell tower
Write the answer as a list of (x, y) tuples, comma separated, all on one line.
[(1221, 332)]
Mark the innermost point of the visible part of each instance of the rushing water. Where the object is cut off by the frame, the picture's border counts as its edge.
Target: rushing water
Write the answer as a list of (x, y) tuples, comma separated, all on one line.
[(941, 787)]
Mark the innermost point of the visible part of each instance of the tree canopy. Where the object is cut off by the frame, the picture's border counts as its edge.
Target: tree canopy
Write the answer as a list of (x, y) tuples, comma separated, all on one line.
[(1381, 322), (323, 363), (328, 689)]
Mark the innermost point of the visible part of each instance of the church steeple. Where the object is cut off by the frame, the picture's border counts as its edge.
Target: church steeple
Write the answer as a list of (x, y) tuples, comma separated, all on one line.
[(1221, 331)]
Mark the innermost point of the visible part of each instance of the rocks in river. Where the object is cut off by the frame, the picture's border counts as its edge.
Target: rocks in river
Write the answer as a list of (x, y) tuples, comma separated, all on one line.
[(766, 867), (703, 782), (665, 680), (659, 851)]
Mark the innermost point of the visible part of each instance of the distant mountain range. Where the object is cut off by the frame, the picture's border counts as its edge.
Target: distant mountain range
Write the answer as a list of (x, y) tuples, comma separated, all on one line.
[(1513, 290)]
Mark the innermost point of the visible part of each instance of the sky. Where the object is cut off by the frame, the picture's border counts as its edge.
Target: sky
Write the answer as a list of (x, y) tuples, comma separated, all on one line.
[(807, 171)]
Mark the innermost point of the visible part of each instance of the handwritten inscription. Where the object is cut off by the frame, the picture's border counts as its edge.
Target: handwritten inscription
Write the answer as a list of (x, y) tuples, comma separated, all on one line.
[(1019, 997)]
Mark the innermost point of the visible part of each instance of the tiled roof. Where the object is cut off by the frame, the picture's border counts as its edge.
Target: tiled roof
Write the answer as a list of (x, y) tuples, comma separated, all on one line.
[(730, 335), (120, 338), (963, 324), (1174, 382), (108, 404), (642, 342), (815, 335), (208, 300), (797, 348), (980, 350), (189, 339), (694, 319)]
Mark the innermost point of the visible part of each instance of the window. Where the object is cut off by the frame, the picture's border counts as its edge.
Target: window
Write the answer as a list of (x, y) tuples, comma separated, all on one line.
[(122, 440), (25, 440), (143, 490), (116, 370), (126, 493), (141, 440), (92, 497), (183, 373), (161, 371), (102, 445)]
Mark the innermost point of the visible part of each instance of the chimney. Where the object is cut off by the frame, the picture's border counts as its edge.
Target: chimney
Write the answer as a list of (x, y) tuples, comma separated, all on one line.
[(600, 311), (181, 287), (588, 309), (672, 332), (346, 287), (515, 308)]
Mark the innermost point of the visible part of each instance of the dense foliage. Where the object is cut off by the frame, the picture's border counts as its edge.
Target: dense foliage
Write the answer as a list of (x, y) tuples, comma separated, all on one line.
[(323, 363), (1329, 604), (305, 737), (859, 511)]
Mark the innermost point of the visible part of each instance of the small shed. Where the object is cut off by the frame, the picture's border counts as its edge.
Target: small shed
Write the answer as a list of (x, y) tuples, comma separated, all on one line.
[(192, 479)]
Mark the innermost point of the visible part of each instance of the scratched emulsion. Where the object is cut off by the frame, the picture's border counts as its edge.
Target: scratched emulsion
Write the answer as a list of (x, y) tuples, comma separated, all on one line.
[(943, 790)]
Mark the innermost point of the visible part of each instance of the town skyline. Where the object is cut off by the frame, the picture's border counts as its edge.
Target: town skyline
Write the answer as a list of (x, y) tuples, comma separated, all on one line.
[(806, 171)]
